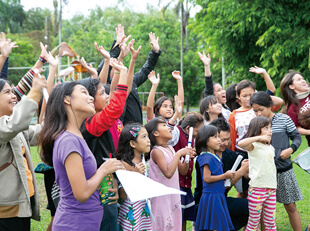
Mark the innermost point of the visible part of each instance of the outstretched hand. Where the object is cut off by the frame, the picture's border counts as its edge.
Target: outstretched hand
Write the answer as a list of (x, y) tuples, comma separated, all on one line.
[(153, 79), (119, 33), (154, 42), (176, 75), (134, 53), (119, 66), (102, 51), (44, 54), (257, 70), (51, 60), (6, 45), (205, 59), (90, 69)]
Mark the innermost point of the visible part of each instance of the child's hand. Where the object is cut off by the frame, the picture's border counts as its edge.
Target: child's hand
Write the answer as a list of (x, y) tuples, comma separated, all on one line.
[(44, 53), (244, 167), (134, 53), (185, 151), (102, 51), (286, 153), (153, 79), (118, 66), (176, 75), (229, 174), (177, 105), (206, 60), (265, 139), (90, 69), (141, 168), (120, 33), (257, 70), (115, 198)]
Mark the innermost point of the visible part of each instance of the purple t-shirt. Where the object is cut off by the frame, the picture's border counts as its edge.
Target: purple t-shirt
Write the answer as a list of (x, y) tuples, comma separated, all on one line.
[(72, 214)]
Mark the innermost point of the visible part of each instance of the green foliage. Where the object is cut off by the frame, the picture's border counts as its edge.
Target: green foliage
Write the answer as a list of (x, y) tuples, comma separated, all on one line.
[(12, 16)]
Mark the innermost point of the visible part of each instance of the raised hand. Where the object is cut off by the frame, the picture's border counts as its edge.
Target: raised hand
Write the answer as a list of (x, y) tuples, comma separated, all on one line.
[(119, 33), (153, 79), (6, 45), (177, 105), (44, 54), (102, 51), (134, 53), (176, 75), (257, 70), (51, 60), (90, 69), (154, 42), (265, 138), (119, 66), (205, 59)]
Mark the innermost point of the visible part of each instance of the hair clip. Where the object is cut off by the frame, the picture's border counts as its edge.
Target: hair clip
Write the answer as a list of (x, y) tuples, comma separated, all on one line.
[(135, 129), (133, 133)]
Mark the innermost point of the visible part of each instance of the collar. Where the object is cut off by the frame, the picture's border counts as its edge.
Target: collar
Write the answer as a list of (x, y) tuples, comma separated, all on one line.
[(303, 94)]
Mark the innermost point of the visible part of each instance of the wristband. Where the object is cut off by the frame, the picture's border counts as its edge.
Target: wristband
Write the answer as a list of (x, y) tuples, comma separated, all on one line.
[(43, 60), (116, 72)]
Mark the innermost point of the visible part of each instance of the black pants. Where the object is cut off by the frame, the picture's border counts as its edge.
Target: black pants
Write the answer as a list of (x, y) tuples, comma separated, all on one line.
[(238, 210), (15, 224)]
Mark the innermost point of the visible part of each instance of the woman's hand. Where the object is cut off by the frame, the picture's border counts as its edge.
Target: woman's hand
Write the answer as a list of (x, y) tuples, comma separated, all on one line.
[(112, 165)]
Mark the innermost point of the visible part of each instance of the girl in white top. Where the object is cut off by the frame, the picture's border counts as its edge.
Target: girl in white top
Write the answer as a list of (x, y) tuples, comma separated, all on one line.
[(262, 172)]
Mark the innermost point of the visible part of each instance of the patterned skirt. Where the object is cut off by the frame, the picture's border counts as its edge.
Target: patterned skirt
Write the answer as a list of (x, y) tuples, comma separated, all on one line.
[(134, 216), (288, 190)]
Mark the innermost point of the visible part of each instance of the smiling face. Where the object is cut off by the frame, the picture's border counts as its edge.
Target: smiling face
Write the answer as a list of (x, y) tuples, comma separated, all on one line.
[(7, 100), (214, 143), (245, 96), (299, 84), (219, 93), (142, 144), (215, 108), (166, 109), (101, 98), (225, 140), (81, 102)]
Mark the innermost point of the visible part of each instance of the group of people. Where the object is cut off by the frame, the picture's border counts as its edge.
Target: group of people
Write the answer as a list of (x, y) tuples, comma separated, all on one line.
[(90, 128)]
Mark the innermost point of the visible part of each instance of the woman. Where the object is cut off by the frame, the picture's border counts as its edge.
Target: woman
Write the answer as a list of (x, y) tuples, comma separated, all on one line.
[(19, 200), (64, 148)]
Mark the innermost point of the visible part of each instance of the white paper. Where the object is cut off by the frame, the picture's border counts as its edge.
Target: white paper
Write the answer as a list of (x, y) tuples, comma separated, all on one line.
[(233, 169), (303, 160), (139, 187)]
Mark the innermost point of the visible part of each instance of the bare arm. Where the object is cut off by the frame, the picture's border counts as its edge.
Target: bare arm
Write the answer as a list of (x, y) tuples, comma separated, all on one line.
[(247, 143), (6, 46), (103, 75), (303, 131), (209, 178), (151, 97), (82, 188), (178, 77), (267, 79)]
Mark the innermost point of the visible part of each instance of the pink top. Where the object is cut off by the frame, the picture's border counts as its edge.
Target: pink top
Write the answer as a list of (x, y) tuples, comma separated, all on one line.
[(166, 209), (115, 131)]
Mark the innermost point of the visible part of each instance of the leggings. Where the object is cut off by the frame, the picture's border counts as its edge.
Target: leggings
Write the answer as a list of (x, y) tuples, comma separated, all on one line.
[(262, 199)]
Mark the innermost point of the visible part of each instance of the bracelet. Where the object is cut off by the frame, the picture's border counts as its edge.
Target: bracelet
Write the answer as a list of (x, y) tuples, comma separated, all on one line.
[(43, 60), (116, 72), (174, 121)]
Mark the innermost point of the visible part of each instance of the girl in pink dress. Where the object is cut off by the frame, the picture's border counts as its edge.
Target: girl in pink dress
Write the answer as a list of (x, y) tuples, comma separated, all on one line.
[(164, 168)]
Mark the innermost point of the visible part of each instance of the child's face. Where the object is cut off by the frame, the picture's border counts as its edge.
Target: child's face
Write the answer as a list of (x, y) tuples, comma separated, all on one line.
[(262, 111), (101, 98), (142, 143), (266, 130), (163, 131), (214, 142), (166, 109), (219, 93), (245, 96), (215, 109), (299, 84)]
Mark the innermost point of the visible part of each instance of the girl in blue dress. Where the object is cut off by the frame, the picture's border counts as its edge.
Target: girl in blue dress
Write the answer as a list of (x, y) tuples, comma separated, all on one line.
[(212, 212)]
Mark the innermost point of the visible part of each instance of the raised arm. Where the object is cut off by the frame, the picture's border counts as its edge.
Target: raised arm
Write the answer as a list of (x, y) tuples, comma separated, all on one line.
[(267, 79), (90, 69), (6, 46), (247, 143), (134, 55), (151, 97), (141, 76), (103, 75), (206, 60), (178, 77)]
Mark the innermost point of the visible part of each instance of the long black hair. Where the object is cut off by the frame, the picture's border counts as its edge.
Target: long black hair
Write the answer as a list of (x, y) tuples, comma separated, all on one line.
[(205, 103), (256, 124), (159, 103), (202, 138), (124, 150), (261, 98), (56, 120), (152, 127)]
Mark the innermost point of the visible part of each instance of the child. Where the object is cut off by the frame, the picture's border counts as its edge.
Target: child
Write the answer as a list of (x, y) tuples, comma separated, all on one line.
[(133, 142), (164, 105), (262, 172), (295, 92), (210, 108), (212, 212), (64, 148), (195, 120), (164, 167), (283, 130)]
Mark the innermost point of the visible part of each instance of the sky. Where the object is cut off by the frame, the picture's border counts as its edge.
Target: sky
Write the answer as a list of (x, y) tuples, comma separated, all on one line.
[(82, 6)]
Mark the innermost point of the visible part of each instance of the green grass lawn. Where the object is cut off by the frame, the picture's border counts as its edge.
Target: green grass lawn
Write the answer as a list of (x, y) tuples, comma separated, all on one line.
[(282, 220)]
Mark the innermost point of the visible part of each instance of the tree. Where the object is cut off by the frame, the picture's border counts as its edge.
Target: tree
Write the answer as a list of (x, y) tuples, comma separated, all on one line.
[(12, 16), (268, 33)]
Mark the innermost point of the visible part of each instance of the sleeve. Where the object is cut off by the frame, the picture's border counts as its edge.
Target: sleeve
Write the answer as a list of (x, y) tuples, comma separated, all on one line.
[(5, 68), (233, 132), (293, 113), (141, 76), (24, 85), (19, 121), (209, 160), (293, 134), (175, 135), (105, 119), (68, 145), (33, 134), (269, 92), (208, 86)]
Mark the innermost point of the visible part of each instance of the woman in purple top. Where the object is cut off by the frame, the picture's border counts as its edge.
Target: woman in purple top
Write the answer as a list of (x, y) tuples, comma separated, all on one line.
[(64, 148)]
